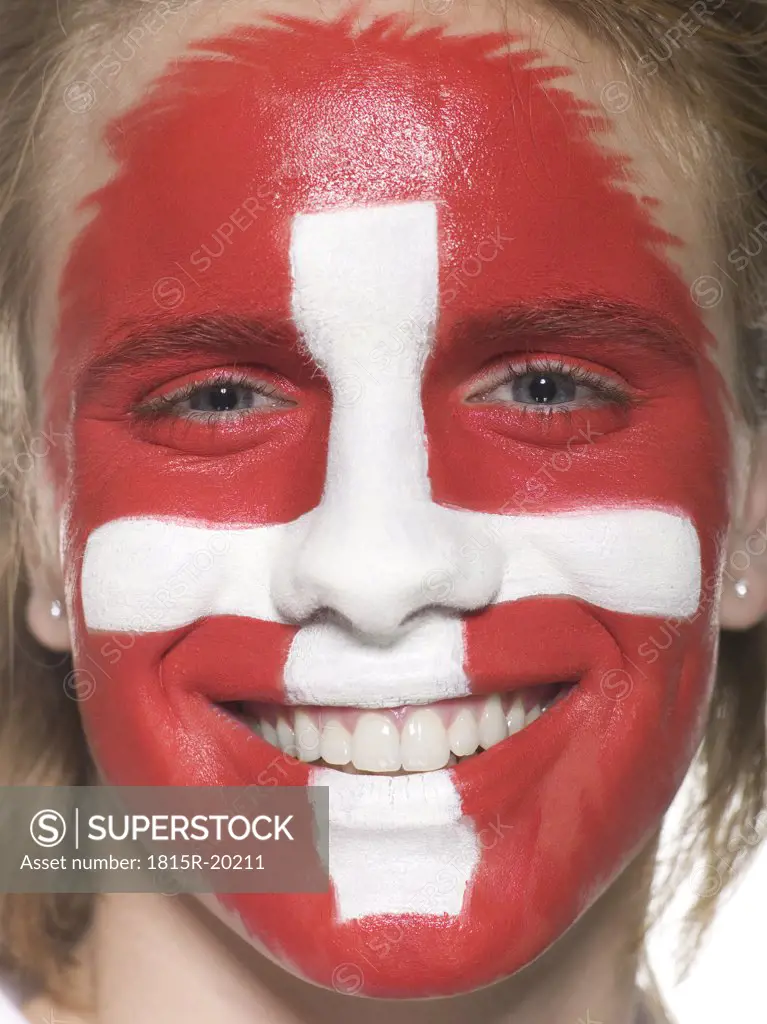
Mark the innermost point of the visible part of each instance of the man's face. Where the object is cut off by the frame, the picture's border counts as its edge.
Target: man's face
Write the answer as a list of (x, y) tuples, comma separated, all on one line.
[(396, 445)]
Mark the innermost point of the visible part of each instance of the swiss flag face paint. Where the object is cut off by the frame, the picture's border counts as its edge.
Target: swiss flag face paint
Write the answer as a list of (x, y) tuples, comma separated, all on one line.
[(378, 226)]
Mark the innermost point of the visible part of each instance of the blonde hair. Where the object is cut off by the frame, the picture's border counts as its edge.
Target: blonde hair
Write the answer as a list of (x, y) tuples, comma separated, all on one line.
[(708, 59)]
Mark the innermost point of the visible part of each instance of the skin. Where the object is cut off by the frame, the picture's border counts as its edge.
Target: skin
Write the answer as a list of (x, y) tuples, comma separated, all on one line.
[(716, 490)]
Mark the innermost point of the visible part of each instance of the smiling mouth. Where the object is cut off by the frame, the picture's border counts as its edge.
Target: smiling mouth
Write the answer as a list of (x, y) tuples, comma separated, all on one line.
[(398, 741)]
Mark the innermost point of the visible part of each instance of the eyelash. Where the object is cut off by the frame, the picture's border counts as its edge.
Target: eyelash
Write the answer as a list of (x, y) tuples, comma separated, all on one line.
[(166, 405), (609, 390)]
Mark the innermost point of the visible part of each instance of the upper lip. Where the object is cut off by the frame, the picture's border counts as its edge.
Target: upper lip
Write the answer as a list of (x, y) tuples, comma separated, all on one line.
[(529, 644), (372, 703)]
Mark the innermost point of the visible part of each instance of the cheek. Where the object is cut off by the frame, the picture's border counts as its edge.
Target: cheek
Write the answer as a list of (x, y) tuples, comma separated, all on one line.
[(669, 453), (273, 476), (643, 647)]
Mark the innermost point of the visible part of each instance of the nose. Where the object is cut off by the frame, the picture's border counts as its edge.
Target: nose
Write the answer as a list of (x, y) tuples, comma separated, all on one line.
[(377, 549), (375, 559)]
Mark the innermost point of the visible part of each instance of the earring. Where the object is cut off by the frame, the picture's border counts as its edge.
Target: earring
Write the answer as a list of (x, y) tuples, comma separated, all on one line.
[(57, 610), (741, 587)]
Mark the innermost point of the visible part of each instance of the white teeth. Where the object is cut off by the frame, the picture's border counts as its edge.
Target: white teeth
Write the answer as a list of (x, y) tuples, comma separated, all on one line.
[(375, 743), (515, 716), (307, 737), (335, 743), (424, 745), (463, 734), (269, 733), (286, 739), (492, 723), (532, 714), (378, 744)]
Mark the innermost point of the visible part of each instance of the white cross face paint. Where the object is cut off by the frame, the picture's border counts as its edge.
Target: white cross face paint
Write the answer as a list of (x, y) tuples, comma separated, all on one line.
[(377, 519), (384, 535), (634, 561), (355, 295)]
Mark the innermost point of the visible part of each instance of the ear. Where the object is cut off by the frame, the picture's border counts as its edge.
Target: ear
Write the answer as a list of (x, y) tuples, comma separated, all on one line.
[(46, 611), (744, 591), (47, 618)]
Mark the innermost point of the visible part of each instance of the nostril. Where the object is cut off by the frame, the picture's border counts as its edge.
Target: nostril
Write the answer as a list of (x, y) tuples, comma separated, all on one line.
[(378, 618), (356, 631), (371, 591)]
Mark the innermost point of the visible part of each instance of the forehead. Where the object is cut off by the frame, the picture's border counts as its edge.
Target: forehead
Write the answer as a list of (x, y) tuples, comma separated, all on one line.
[(538, 193)]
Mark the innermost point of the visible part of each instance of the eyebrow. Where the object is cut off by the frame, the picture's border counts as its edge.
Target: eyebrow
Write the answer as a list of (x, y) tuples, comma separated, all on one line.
[(188, 337), (596, 318), (589, 317)]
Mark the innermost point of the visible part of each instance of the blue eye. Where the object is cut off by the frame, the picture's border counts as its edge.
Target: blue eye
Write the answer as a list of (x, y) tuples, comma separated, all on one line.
[(226, 398), (543, 388), (543, 385), (222, 398)]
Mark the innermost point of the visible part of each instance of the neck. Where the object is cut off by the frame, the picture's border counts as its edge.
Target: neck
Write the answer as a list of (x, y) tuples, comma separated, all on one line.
[(157, 958)]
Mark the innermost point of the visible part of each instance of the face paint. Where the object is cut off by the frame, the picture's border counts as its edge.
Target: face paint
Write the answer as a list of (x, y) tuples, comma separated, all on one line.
[(376, 227)]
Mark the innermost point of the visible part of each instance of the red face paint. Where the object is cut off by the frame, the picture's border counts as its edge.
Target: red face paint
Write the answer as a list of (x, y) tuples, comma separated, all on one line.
[(542, 250)]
